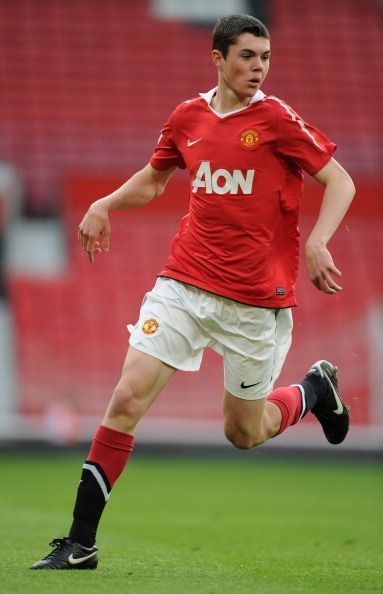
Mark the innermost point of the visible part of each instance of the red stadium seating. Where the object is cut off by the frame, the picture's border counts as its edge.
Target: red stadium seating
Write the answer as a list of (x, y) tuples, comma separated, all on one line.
[(72, 335), (87, 85), (84, 89)]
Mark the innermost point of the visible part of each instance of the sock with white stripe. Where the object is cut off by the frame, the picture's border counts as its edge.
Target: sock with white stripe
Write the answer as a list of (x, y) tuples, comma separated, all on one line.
[(311, 387), (106, 460)]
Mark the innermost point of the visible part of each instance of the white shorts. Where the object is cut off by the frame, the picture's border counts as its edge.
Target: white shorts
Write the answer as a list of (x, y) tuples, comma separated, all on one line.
[(178, 321)]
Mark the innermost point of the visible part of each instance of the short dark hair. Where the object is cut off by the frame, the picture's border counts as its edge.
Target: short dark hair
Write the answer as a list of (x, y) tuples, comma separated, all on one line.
[(229, 28)]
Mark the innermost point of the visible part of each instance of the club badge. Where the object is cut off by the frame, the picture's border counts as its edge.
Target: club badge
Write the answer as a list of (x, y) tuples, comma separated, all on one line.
[(150, 326), (249, 139)]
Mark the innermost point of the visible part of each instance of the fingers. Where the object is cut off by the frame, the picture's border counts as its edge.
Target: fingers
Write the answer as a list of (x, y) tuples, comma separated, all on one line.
[(322, 269), (331, 288), (89, 240), (105, 242), (325, 282), (90, 248)]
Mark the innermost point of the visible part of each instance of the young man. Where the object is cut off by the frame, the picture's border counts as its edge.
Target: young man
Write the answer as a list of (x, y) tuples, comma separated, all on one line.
[(229, 281)]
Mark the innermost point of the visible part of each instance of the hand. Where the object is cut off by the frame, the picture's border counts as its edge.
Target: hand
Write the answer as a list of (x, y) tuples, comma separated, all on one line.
[(94, 225), (321, 268)]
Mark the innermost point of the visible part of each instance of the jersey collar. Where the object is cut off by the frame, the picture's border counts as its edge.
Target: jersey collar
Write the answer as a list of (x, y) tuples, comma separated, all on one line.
[(259, 95)]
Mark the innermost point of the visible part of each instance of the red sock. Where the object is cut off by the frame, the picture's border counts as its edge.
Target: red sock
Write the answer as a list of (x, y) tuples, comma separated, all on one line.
[(289, 402), (111, 450)]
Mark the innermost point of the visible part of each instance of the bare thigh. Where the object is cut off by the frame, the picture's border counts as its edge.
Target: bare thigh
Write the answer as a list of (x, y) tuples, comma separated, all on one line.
[(142, 379)]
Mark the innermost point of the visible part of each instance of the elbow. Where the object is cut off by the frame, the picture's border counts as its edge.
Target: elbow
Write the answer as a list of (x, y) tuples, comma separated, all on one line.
[(348, 181), (343, 184), (350, 188), (334, 176), (160, 187)]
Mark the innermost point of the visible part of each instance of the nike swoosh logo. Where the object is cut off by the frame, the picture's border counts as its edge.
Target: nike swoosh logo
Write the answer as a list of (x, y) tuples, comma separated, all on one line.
[(339, 405), (77, 560), (243, 385), (191, 142)]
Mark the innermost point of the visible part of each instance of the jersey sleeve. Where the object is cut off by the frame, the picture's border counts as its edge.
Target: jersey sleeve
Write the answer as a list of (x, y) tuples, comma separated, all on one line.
[(307, 146), (166, 154)]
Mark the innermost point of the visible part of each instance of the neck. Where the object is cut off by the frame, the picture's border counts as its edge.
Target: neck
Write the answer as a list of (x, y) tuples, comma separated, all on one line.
[(226, 100)]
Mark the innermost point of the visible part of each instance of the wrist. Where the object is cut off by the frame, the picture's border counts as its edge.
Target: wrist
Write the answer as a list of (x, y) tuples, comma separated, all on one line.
[(104, 204), (316, 242)]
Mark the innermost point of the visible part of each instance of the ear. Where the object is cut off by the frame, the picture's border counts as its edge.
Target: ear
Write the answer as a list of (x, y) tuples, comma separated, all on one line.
[(217, 58)]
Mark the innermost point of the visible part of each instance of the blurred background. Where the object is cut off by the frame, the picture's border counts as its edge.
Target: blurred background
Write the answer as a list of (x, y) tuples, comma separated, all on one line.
[(84, 90)]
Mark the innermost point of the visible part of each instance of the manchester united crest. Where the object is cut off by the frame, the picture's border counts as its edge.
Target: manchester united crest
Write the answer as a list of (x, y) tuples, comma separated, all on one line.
[(150, 326), (249, 139)]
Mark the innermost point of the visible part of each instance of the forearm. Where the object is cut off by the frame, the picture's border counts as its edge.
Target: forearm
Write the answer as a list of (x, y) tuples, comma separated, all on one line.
[(142, 187), (338, 194), (337, 197), (138, 190)]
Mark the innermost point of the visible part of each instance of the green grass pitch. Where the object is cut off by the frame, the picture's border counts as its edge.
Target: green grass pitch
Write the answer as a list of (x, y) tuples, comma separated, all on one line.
[(200, 526)]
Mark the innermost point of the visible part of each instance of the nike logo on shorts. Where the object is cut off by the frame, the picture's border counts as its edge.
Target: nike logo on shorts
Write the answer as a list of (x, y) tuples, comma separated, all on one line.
[(244, 386)]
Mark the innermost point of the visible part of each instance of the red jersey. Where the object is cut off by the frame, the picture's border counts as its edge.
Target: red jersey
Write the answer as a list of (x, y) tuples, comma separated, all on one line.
[(240, 238)]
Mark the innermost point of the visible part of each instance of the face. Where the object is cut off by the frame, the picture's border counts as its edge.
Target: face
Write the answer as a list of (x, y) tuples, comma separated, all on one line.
[(245, 66)]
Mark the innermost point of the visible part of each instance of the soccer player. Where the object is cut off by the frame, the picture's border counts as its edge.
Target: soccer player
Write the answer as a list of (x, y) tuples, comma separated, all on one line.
[(230, 277)]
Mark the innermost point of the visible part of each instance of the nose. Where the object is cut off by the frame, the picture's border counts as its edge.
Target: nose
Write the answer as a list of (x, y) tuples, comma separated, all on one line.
[(257, 65)]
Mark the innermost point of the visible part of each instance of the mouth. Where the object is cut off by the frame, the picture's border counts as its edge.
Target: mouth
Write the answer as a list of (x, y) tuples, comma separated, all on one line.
[(254, 81)]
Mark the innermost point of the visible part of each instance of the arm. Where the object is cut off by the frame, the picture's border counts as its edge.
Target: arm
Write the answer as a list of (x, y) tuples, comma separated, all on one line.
[(338, 194), (142, 187)]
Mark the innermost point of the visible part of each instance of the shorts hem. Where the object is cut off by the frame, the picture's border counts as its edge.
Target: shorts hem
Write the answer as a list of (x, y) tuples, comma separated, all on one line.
[(243, 397), (165, 360)]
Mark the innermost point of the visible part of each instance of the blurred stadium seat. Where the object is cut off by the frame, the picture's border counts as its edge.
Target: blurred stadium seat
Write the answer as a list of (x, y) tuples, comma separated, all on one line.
[(72, 336), (88, 85), (84, 90)]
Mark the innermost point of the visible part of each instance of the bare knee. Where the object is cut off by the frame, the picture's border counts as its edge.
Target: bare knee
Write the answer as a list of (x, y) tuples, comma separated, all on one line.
[(244, 421), (142, 379), (241, 439), (126, 406)]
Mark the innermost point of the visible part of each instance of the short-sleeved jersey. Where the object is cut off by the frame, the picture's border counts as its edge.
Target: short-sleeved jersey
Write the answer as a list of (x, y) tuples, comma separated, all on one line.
[(240, 238)]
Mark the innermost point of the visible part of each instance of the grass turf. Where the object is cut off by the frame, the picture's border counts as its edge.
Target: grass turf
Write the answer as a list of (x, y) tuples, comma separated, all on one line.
[(206, 526)]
